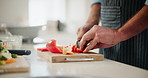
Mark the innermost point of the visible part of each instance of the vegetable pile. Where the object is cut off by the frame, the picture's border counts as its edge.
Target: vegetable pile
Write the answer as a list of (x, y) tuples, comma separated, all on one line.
[(5, 56), (66, 50)]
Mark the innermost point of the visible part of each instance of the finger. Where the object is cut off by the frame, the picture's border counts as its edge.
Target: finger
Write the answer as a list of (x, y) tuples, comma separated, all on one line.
[(91, 45), (80, 35), (82, 42), (86, 38)]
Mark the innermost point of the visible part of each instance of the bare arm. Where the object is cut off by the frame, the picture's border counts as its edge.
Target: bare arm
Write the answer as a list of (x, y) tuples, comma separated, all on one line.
[(135, 25), (103, 37), (94, 15)]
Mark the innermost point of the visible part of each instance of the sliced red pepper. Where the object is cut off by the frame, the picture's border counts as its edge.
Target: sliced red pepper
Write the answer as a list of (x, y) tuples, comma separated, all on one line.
[(51, 46), (75, 49), (79, 50), (42, 49)]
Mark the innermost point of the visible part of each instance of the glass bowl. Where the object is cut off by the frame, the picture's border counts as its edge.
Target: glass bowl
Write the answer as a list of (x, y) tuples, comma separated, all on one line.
[(13, 42)]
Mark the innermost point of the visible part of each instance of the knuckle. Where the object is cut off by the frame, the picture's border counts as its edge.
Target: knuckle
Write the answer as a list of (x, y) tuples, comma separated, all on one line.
[(95, 26), (85, 35), (83, 29), (97, 35), (79, 38), (90, 47)]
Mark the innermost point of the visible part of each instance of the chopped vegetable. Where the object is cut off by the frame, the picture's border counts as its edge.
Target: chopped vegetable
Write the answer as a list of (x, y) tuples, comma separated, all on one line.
[(67, 50), (51, 46), (42, 49), (10, 60), (7, 55), (4, 51), (3, 58), (14, 55), (75, 49), (2, 62)]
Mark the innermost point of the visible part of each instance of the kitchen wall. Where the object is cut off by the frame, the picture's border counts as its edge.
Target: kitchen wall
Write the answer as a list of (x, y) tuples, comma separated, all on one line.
[(14, 12), (72, 13), (77, 12)]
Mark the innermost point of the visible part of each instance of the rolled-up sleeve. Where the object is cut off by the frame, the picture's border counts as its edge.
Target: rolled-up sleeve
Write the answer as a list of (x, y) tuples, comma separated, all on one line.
[(96, 1), (146, 2)]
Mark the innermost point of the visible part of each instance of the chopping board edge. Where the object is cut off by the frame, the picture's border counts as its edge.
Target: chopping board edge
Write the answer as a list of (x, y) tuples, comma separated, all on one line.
[(60, 58)]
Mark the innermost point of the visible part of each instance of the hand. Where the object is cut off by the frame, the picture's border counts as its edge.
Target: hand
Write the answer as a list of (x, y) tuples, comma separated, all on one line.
[(82, 30), (99, 37)]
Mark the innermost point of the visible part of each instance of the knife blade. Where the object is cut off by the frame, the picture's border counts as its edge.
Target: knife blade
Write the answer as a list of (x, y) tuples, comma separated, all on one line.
[(77, 43)]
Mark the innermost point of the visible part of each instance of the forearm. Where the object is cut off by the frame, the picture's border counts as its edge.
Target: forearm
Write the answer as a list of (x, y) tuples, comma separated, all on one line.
[(94, 15), (135, 25)]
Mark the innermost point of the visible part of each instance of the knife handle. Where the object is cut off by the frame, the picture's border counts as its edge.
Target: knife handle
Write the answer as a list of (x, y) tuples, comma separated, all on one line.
[(20, 52)]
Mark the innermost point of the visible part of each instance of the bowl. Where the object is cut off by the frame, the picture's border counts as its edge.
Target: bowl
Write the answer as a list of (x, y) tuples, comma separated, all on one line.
[(28, 32), (10, 45)]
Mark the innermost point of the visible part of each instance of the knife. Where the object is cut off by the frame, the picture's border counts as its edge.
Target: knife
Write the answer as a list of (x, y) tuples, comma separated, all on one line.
[(77, 43), (20, 52)]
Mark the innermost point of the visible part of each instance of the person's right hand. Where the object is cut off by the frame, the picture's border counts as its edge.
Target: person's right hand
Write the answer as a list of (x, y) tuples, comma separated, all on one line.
[(100, 37), (82, 30)]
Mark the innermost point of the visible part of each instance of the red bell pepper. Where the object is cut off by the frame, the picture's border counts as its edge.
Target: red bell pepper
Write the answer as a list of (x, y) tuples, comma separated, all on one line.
[(75, 49), (51, 46), (42, 49)]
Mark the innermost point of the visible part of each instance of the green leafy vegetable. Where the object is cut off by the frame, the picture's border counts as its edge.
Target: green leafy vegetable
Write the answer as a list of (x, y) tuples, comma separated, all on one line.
[(4, 51), (14, 55), (3, 58)]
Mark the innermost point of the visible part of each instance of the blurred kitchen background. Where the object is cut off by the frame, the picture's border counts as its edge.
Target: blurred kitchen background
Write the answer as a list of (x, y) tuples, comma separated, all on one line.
[(39, 20)]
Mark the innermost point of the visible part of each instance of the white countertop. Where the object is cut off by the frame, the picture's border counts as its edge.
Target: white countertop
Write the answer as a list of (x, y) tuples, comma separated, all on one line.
[(99, 69)]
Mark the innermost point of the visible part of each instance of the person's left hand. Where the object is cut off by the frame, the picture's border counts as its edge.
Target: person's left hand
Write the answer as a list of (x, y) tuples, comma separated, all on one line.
[(99, 37)]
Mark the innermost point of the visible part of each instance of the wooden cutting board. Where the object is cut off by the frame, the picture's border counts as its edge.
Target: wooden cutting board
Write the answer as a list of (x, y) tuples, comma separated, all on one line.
[(21, 65), (78, 57)]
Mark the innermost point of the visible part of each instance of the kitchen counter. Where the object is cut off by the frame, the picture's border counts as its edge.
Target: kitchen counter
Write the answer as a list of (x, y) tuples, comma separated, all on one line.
[(99, 69)]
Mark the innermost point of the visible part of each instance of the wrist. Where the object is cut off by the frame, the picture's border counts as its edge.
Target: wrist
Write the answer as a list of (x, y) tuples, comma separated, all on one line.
[(122, 35), (90, 24), (93, 21)]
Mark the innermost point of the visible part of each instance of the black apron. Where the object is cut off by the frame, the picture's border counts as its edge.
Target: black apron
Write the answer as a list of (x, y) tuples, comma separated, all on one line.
[(134, 51)]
